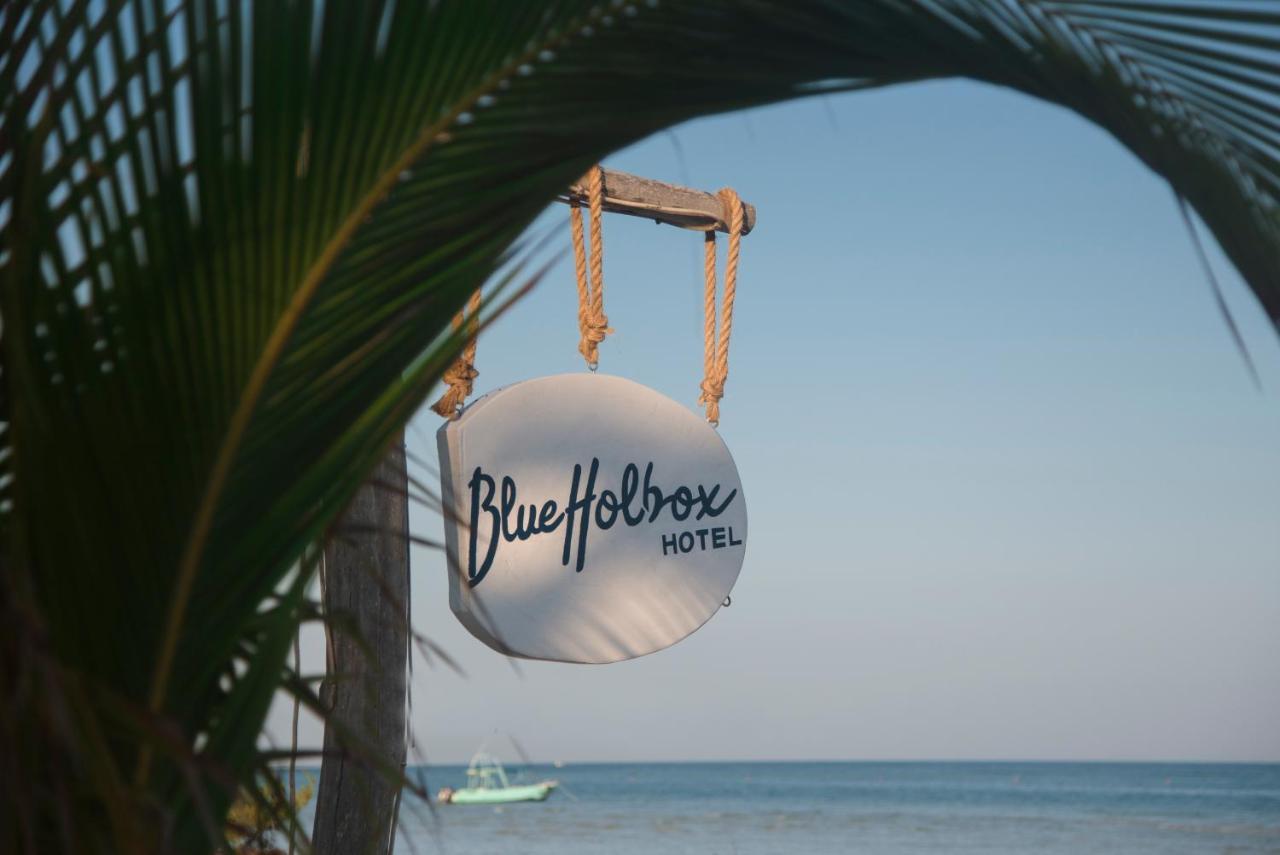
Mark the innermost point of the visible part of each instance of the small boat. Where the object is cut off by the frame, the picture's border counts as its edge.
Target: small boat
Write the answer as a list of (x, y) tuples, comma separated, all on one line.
[(487, 784)]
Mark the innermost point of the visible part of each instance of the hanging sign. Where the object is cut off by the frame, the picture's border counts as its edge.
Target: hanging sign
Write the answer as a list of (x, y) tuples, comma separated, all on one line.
[(587, 519)]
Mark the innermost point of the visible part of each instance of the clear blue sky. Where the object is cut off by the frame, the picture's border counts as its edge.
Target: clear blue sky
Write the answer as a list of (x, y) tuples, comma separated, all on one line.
[(1012, 491)]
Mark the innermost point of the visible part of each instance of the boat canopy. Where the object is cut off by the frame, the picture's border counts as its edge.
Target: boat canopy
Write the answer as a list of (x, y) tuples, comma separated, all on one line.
[(486, 773)]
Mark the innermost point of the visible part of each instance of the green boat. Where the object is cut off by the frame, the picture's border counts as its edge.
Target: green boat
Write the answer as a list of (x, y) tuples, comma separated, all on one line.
[(487, 784)]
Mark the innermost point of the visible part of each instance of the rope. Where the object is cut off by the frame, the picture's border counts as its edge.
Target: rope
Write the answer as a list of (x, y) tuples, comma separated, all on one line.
[(462, 373), (593, 324), (715, 351)]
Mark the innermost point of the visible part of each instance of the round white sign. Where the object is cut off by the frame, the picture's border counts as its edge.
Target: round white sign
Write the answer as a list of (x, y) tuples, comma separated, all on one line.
[(587, 519)]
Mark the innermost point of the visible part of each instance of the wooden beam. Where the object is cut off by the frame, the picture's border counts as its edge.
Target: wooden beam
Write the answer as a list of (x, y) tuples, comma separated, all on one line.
[(661, 202), (367, 594)]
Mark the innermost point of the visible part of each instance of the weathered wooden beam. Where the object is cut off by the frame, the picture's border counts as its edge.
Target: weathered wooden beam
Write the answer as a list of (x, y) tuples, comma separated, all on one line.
[(366, 577), (664, 203)]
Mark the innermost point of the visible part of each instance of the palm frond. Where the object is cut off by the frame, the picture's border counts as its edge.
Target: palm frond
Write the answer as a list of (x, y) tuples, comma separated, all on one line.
[(232, 235)]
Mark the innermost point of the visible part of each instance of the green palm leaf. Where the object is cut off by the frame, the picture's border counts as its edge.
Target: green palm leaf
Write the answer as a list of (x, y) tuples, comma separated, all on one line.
[(232, 234)]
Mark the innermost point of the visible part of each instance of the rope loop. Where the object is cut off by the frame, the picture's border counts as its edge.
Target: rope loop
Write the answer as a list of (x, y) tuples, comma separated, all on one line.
[(460, 376), (593, 323), (715, 351)]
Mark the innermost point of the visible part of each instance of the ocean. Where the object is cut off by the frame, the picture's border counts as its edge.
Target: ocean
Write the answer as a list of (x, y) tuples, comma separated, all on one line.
[(741, 808)]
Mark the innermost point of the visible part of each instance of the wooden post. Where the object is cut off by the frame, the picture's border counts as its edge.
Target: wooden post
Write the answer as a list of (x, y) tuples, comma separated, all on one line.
[(671, 204), (367, 591)]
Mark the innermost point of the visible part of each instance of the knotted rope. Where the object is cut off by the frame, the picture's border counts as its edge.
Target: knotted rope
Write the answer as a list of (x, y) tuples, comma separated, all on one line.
[(715, 352), (593, 324), (462, 373)]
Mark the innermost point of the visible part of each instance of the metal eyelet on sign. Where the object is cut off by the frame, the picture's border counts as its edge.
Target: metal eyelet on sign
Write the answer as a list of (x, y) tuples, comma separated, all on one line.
[(728, 601)]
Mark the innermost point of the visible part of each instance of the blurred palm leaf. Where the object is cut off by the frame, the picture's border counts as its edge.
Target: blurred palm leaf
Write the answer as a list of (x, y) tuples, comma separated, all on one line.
[(232, 234)]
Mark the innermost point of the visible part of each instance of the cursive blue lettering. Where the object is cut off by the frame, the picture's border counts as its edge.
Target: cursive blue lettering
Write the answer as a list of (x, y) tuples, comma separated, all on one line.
[(638, 499), (631, 486), (545, 517), (606, 510), (477, 572), (508, 504)]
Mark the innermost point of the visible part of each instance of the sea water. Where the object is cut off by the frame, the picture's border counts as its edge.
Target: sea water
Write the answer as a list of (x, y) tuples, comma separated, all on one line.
[(672, 808)]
